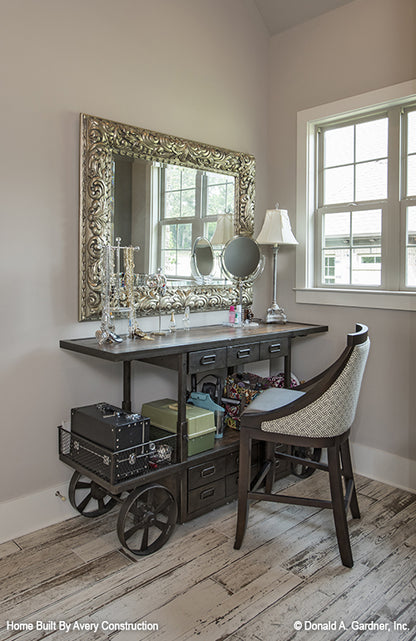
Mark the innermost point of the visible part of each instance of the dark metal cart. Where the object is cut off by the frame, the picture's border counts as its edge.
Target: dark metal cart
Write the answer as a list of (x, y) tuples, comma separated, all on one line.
[(155, 494)]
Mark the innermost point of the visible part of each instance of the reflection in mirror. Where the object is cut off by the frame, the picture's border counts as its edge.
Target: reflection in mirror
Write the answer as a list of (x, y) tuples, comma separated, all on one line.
[(161, 193), (202, 260), (185, 205)]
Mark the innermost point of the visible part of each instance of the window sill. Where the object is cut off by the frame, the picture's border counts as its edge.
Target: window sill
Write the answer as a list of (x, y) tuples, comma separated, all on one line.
[(376, 299)]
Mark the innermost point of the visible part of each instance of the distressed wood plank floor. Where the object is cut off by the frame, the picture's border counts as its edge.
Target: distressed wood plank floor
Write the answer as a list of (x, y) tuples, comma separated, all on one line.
[(198, 587)]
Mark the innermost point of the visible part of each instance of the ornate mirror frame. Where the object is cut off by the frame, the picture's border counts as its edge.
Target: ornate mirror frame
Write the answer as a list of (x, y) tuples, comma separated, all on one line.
[(99, 140)]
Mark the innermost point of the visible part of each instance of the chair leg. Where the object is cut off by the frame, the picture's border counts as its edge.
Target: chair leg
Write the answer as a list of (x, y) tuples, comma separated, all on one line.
[(349, 476), (243, 487), (337, 495), (268, 487)]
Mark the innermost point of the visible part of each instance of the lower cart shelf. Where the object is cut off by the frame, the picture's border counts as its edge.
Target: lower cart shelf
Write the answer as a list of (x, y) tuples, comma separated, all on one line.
[(116, 467)]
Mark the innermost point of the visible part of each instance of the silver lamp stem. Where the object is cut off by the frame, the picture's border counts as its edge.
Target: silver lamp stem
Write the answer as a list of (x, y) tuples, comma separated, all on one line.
[(275, 252), (275, 314)]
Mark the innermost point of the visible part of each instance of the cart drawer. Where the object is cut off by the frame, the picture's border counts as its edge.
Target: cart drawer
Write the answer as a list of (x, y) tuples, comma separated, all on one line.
[(273, 349), (232, 460), (231, 481), (206, 495), (207, 359), (239, 354), (208, 472)]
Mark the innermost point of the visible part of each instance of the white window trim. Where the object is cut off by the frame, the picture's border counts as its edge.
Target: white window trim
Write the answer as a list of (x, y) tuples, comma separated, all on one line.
[(306, 120)]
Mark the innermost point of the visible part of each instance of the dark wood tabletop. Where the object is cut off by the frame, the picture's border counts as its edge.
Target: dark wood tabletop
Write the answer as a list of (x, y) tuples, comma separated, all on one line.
[(182, 341)]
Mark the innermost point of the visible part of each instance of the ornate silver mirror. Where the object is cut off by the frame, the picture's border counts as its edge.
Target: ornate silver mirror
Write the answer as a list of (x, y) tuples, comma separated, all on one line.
[(159, 192), (202, 260)]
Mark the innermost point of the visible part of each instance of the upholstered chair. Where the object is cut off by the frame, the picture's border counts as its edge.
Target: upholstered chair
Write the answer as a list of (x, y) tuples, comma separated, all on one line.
[(317, 414)]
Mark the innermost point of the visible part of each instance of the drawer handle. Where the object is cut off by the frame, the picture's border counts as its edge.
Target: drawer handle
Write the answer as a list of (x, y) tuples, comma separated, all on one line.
[(274, 348), (243, 353), (207, 493), (208, 471), (208, 359)]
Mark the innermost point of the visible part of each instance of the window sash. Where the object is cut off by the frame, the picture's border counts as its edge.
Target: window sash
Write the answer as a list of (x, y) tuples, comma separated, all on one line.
[(353, 248), (199, 221), (394, 252)]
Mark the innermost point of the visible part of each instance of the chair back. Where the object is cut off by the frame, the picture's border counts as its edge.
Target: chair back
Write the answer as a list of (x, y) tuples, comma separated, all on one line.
[(332, 412)]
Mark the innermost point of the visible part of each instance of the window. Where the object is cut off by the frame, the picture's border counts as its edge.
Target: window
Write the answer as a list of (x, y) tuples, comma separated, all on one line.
[(190, 202), (357, 200), (354, 197)]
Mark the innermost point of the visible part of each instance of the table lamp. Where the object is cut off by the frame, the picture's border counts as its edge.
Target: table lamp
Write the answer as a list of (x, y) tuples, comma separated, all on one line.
[(276, 231), (224, 230)]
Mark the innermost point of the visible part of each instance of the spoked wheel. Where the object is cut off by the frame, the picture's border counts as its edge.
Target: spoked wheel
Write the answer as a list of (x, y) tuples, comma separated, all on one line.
[(147, 519), (312, 453), (89, 498)]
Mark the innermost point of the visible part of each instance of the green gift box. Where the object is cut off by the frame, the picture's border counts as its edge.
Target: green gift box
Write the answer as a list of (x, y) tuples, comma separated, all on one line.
[(201, 422)]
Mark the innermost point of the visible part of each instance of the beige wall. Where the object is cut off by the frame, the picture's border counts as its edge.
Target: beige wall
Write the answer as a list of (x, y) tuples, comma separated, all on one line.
[(364, 45), (192, 68)]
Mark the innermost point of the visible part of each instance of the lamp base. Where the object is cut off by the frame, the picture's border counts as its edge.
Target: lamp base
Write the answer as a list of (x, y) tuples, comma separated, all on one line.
[(276, 314)]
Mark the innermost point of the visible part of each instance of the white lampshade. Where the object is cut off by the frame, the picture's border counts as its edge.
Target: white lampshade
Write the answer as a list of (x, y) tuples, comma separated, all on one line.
[(224, 230), (276, 228)]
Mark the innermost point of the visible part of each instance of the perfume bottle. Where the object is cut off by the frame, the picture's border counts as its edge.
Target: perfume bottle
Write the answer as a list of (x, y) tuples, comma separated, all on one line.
[(231, 314), (172, 323), (186, 319)]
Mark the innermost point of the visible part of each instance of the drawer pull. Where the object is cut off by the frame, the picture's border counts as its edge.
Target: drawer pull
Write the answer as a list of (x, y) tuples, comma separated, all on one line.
[(274, 348), (207, 493), (208, 471), (208, 359), (243, 353)]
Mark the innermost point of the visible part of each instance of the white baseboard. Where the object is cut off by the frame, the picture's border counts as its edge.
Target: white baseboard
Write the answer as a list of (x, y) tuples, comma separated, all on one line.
[(35, 511), (385, 467)]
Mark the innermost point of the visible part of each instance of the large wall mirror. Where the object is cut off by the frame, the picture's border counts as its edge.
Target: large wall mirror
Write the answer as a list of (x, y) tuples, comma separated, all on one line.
[(160, 193)]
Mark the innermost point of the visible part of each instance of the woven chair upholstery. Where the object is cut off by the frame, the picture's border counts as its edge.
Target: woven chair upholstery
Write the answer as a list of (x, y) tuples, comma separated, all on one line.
[(332, 413)]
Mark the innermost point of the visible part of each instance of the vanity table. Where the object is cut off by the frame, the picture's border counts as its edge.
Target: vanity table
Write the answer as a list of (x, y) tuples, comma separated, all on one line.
[(122, 168), (207, 480)]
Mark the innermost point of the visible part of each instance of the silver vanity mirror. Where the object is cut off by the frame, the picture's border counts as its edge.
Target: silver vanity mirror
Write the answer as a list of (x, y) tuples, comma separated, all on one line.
[(161, 193), (202, 260), (242, 262), (241, 259)]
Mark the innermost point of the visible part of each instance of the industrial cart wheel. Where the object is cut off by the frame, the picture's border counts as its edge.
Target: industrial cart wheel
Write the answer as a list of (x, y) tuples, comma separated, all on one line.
[(303, 471), (89, 498), (147, 519)]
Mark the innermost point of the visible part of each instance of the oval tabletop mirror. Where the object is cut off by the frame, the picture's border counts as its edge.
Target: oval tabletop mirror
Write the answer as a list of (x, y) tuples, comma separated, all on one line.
[(202, 260), (242, 261), (241, 258)]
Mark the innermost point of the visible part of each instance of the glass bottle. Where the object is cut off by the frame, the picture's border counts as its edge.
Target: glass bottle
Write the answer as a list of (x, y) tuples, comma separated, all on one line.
[(186, 319), (172, 323)]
